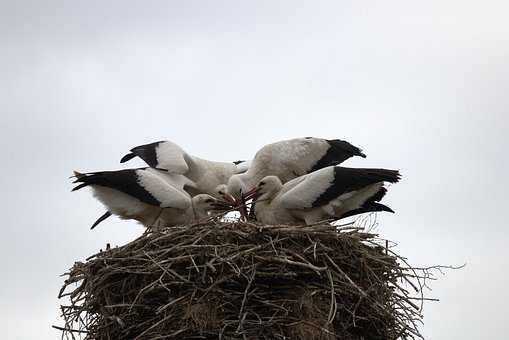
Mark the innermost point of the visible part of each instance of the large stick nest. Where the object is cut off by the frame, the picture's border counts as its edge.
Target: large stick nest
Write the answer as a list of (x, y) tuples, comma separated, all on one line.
[(244, 281)]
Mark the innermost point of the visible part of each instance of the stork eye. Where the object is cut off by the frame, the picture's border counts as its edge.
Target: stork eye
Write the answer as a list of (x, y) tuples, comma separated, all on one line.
[(261, 184), (208, 200)]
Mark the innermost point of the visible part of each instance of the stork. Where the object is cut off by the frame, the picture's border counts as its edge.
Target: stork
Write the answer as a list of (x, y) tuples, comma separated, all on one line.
[(152, 198), (204, 175), (332, 192), (289, 159)]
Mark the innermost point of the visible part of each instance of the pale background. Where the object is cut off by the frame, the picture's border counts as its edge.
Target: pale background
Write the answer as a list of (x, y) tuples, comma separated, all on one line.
[(421, 86)]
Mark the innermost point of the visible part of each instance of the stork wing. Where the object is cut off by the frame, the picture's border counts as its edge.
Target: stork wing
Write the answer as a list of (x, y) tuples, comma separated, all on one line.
[(163, 155), (313, 153), (242, 166), (100, 219), (324, 185), (142, 184), (303, 191), (176, 180), (338, 152), (291, 158), (161, 188), (125, 181)]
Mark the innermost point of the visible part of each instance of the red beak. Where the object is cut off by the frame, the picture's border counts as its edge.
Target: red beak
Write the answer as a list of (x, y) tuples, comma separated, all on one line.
[(251, 194), (243, 213), (238, 204), (230, 199)]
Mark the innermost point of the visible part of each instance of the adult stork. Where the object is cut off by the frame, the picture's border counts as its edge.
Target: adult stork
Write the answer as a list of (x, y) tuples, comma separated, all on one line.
[(289, 159), (204, 175), (146, 195), (333, 192)]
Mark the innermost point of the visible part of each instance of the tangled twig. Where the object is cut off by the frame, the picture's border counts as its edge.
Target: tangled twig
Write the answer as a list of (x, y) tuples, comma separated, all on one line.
[(246, 281)]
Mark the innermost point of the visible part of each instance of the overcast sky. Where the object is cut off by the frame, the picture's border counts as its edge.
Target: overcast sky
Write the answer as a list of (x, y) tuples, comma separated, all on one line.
[(421, 86)]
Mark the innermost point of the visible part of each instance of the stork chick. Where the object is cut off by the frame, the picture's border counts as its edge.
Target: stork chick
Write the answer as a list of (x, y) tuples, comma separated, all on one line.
[(289, 159), (330, 193), (146, 196)]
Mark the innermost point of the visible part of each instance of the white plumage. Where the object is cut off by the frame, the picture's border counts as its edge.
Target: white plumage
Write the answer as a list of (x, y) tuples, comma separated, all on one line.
[(295, 180), (147, 196), (330, 193), (203, 175), (290, 159)]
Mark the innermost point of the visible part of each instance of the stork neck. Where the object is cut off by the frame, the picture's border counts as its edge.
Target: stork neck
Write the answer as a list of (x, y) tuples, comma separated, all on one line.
[(268, 196), (264, 209)]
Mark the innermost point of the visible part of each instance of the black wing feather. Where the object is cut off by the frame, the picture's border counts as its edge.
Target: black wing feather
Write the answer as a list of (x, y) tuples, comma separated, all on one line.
[(368, 207), (338, 152), (378, 196), (125, 181), (78, 187), (100, 219), (147, 152), (350, 179), (128, 157)]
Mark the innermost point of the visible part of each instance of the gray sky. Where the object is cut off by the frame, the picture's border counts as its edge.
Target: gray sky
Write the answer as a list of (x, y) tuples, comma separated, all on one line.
[(420, 86)]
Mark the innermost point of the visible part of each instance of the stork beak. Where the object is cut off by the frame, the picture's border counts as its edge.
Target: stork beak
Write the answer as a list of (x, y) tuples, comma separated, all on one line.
[(222, 205), (230, 199), (250, 194), (243, 211)]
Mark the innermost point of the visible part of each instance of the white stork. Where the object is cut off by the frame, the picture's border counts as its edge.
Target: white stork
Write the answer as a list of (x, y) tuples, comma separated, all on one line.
[(289, 159), (146, 195), (204, 175), (333, 192)]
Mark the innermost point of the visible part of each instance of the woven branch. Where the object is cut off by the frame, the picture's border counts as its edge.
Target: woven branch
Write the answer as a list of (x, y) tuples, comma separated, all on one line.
[(245, 281)]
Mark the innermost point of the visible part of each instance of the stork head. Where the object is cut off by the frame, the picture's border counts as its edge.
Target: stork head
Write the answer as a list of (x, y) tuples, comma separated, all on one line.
[(204, 203), (238, 191), (236, 187), (221, 192), (268, 187)]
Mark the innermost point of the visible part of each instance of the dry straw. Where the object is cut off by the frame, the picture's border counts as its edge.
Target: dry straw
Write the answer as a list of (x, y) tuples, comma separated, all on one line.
[(220, 280)]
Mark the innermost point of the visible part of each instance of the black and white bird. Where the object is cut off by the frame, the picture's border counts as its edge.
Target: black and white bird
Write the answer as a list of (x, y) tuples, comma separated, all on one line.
[(289, 159), (204, 175), (151, 197), (332, 192)]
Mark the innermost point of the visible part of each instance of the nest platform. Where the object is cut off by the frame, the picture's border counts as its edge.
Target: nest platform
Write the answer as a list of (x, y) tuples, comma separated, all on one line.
[(235, 280)]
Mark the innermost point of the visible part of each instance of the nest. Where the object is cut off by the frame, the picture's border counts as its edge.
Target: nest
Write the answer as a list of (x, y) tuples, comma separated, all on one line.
[(219, 280)]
